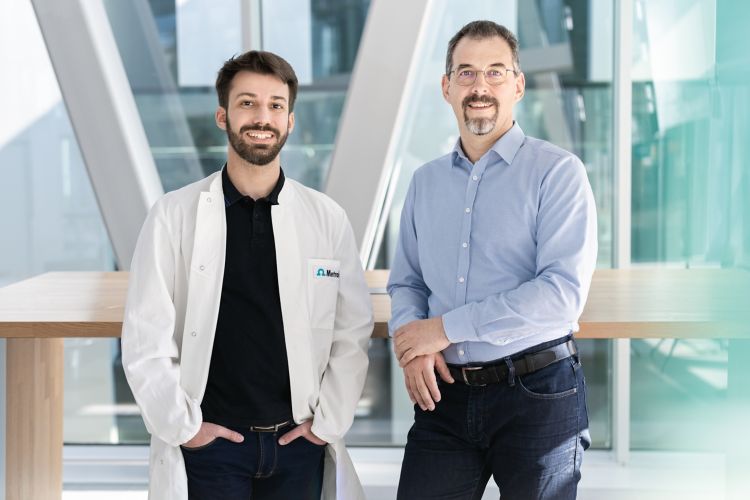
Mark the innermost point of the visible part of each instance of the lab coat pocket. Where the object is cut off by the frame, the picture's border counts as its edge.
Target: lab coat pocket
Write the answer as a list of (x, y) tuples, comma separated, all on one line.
[(322, 292)]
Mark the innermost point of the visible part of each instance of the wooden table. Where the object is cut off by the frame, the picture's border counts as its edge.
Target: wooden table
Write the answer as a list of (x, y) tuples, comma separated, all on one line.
[(38, 313)]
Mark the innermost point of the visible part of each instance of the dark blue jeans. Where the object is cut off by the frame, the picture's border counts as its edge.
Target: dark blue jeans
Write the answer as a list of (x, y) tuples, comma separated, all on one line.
[(258, 468), (529, 433)]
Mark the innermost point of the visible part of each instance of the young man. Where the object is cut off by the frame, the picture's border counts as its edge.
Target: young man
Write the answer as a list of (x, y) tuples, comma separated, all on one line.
[(496, 251), (248, 316)]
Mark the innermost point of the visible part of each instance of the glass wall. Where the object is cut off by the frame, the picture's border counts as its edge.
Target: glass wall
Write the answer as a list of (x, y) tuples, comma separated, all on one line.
[(173, 50), (691, 93), (566, 55)]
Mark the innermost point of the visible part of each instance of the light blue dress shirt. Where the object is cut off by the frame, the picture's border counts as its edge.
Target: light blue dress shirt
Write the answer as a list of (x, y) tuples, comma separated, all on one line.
[(504, 249)]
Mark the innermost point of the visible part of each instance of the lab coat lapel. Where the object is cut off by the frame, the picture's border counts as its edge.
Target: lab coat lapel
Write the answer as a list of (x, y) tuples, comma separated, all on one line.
[(204, 289), (291, 266)]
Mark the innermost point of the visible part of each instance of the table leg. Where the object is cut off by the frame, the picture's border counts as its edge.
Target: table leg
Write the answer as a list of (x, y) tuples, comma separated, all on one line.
[(34, 418)]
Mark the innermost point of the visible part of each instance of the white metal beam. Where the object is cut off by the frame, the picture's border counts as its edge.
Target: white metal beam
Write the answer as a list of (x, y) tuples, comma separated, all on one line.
[(363, 158), (622, 83), (251, 25), (103, 114)]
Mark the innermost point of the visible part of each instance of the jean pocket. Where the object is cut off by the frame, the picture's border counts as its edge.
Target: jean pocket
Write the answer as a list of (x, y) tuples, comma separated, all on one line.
[(555, 381), (202, 447)]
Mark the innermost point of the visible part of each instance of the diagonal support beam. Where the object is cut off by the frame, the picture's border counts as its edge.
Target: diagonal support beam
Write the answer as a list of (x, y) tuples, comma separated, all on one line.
[(104, 116), (363, 160)]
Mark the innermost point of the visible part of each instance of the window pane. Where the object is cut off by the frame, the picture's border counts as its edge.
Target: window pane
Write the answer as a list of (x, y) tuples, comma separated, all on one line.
[(691, 91)]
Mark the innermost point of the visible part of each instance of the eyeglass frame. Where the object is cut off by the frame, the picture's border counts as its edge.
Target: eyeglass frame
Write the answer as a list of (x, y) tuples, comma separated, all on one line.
[(484, 75)]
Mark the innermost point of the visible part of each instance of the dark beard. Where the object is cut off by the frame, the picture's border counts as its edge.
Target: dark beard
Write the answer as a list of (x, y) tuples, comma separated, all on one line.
[(256, 154), (480, 126)]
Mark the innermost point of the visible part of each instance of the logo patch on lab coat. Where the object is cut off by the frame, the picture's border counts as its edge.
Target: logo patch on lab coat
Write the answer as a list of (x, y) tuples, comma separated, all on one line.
[(326, 273)]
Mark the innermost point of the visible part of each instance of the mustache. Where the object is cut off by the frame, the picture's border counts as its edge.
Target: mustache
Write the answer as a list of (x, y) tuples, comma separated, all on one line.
[(478, 98), (260, 128)]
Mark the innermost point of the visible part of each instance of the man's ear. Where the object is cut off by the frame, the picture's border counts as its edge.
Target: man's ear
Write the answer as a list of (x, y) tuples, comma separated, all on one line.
[(221, 118), (520, 86), (445, 83), (291, 122)]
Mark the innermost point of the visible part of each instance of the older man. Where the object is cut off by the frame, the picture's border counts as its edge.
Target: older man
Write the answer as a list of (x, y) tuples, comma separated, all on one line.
[(496, 251)]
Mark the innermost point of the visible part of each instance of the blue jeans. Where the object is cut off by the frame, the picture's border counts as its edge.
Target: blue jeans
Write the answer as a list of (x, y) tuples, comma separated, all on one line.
[(529, 433), (258, 468)]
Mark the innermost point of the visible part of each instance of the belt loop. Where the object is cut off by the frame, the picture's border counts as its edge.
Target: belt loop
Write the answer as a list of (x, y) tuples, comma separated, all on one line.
[(511, 372)]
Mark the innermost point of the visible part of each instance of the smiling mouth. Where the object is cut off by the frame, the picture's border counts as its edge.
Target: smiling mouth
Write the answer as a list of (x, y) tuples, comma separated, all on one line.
[(479, 105), (259, 136)]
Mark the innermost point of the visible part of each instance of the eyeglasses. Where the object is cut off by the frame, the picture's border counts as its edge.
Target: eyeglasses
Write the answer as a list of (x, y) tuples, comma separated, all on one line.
[(494, 75)]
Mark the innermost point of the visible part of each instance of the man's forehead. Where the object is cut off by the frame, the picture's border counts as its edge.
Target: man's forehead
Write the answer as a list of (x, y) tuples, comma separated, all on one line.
[(485, 50), (248, 82)]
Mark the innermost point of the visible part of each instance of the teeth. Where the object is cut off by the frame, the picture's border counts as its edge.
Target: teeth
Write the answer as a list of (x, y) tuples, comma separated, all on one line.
[(260, 136)]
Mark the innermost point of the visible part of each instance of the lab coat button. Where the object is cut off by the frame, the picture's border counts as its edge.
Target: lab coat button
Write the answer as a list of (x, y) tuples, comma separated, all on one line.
[(202, 268), (193, 333), (208, 200)]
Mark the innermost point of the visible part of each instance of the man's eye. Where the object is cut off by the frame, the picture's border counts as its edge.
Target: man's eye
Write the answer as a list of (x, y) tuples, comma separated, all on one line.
[(494, 73), (246, 103), (277, 106), (466, 73)]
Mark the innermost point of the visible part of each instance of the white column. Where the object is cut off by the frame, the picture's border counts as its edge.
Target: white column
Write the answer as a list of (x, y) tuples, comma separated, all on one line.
[(622, 84)]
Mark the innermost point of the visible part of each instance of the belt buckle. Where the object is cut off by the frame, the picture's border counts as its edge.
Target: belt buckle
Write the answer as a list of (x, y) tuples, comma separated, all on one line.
[(464, 369), (268, 428)]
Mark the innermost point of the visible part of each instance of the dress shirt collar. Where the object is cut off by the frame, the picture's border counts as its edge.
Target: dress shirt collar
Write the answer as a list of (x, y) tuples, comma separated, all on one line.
[(232, 195), (506, 147)]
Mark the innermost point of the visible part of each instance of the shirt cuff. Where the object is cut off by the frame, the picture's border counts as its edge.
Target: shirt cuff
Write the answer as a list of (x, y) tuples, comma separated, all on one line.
[(458, 327)]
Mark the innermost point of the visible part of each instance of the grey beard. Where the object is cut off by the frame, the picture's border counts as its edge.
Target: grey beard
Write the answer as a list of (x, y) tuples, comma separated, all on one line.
[(480, 126)]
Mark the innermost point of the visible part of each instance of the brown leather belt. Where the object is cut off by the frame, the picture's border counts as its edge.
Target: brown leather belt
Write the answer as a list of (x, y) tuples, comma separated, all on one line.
[(494, 374)]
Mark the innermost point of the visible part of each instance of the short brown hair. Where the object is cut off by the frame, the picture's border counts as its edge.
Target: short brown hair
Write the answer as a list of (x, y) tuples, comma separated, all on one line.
[(481, 30), (256, 61)]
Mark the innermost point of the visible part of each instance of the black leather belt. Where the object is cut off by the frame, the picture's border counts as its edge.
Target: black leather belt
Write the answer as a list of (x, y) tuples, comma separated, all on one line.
[(494, 374)]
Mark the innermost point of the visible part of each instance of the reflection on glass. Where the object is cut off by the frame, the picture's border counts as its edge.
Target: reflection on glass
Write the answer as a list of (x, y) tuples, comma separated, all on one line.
[(690, 201)]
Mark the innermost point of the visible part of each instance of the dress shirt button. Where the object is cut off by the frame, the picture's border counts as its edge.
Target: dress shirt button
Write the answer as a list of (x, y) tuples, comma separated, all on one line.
[(468, 210), (465, 245), (475, 177), (202, 268), (461, 279), (194, 334), (461, 352)]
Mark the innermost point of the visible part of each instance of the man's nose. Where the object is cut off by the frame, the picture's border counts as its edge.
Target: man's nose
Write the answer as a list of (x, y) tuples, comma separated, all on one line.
[(262, 116), (480, 85)]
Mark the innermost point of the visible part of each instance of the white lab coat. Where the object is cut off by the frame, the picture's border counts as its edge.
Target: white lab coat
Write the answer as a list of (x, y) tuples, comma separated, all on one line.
[(172, 309)]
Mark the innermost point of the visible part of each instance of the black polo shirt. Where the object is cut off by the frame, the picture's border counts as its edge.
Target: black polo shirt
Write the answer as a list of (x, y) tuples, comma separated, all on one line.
[(248, 381)]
